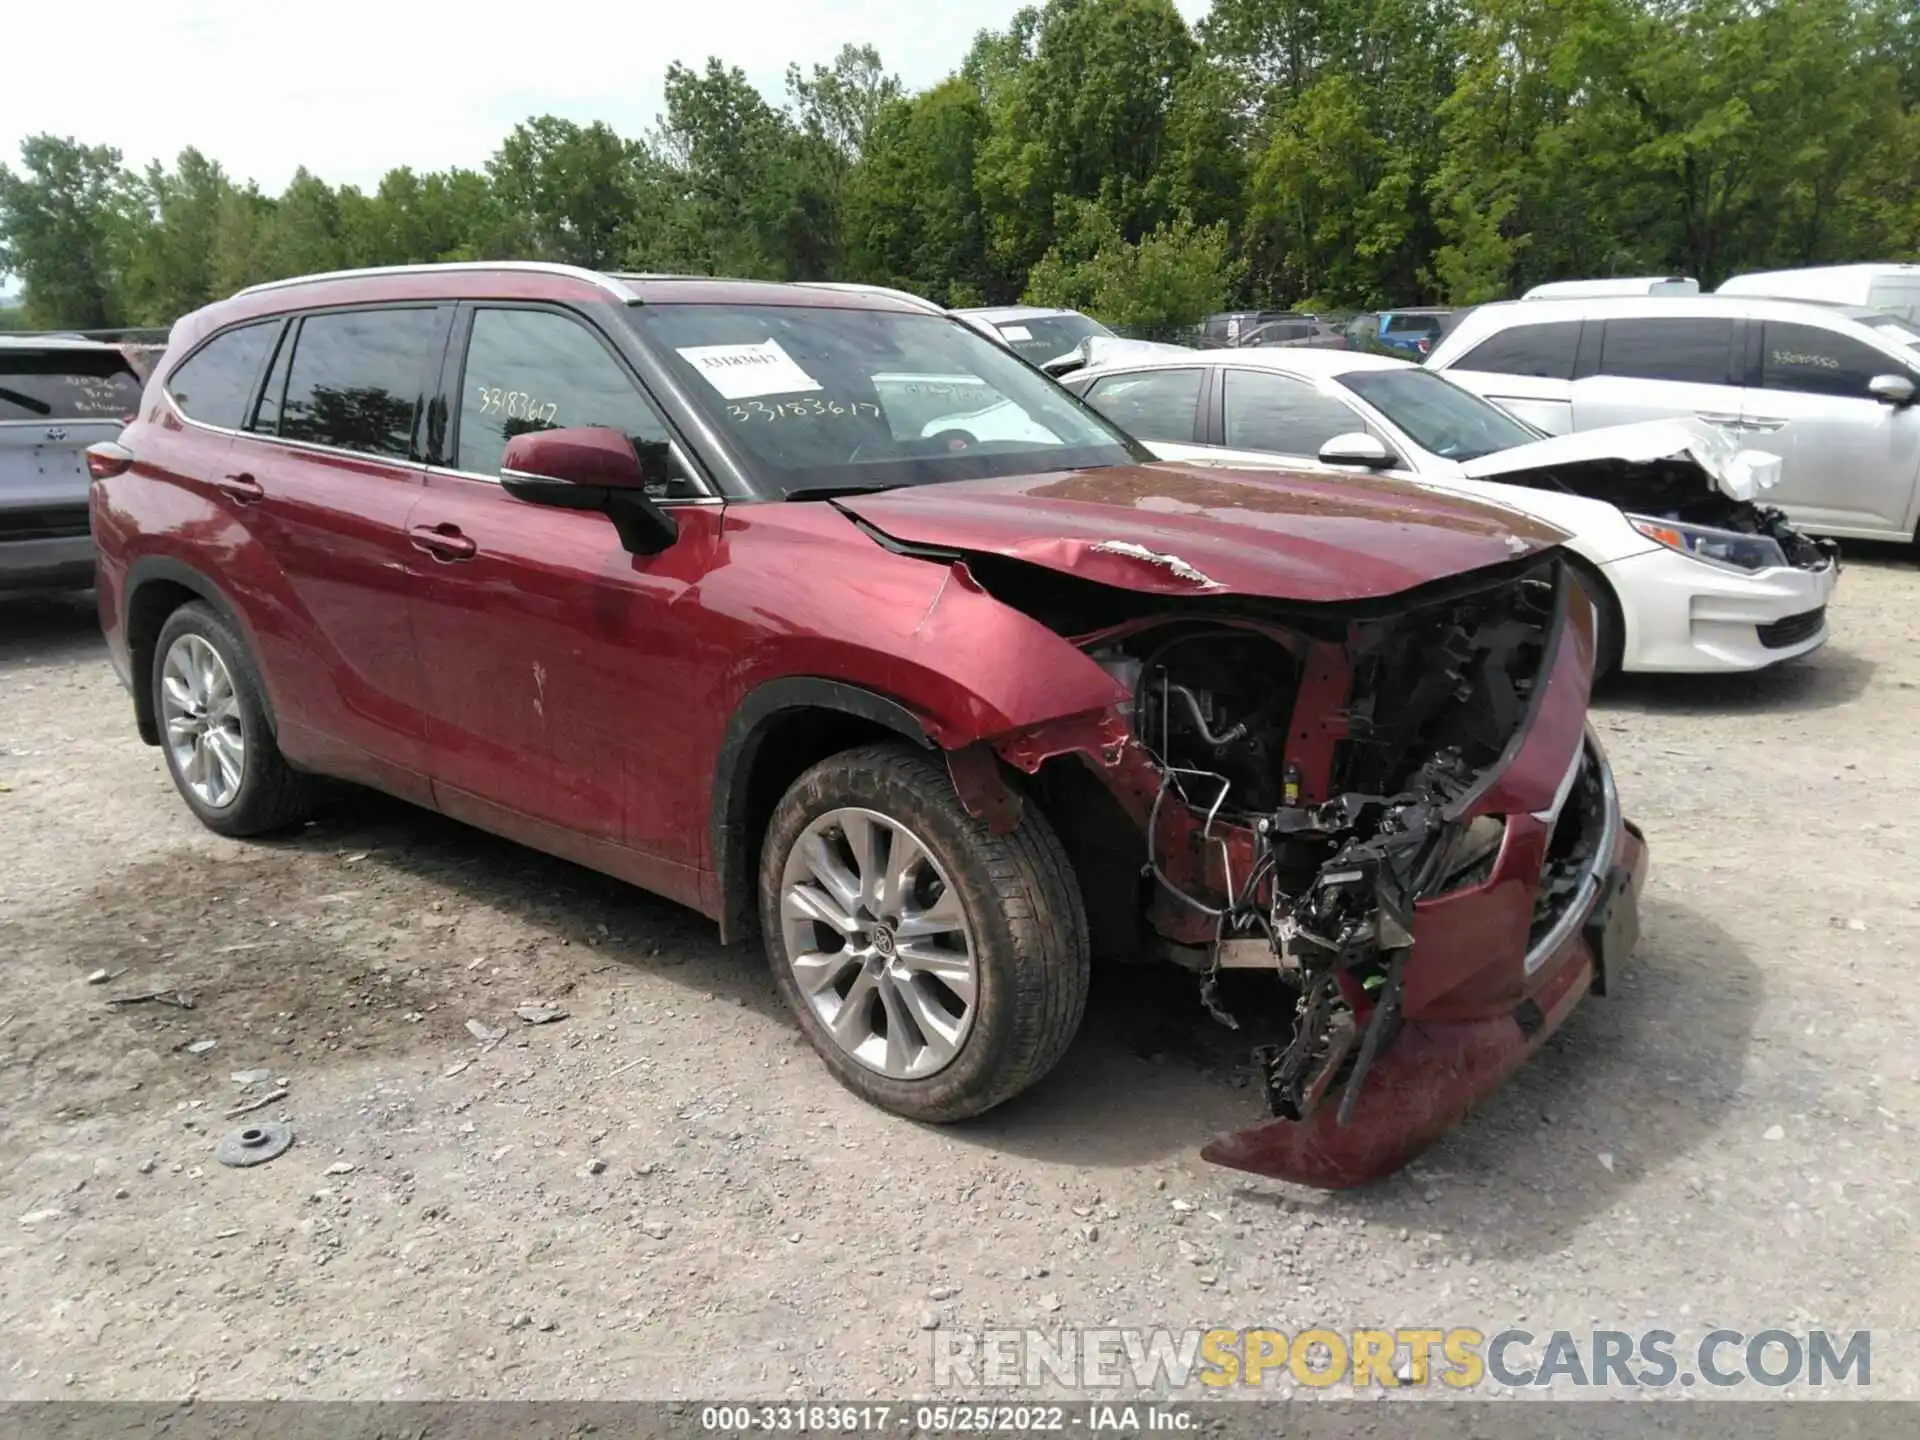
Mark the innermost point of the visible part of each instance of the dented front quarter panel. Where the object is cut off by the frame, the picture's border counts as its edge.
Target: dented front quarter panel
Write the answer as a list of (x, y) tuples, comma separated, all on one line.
[(996, 688)]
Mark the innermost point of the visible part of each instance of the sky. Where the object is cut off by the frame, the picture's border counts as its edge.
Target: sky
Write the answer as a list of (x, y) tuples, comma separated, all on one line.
[(352, 88)]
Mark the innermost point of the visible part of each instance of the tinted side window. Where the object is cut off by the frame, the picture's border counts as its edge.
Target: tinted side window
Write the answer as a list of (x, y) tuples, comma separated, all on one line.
[(217, 382), (1693, 351), (1818, 361), (536, 370), (1279, 413), (1544, 351), (1155, 405), (357, 377)]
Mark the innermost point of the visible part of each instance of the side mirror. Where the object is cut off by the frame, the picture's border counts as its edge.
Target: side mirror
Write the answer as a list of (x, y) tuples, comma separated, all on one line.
[(1895, 390), (588, 467), (1358, 448)]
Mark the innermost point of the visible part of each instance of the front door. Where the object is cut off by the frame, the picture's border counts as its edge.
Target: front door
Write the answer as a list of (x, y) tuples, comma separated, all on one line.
[(554, 662)]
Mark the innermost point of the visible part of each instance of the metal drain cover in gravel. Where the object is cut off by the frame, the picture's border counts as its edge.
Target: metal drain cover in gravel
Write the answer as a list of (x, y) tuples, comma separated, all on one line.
[(255, 1144)]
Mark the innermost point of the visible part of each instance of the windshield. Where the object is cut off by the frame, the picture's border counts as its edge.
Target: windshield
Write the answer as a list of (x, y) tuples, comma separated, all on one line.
[(1438, 415), (1892, 327), (1048, 337), (813, 398), (66, 385)]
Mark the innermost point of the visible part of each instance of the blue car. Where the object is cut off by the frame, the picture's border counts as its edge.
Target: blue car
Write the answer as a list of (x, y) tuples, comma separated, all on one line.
[(1405, 332)]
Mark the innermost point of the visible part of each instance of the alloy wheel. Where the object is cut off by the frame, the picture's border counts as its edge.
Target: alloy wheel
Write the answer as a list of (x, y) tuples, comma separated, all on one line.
[(879, 943), (201, 716)]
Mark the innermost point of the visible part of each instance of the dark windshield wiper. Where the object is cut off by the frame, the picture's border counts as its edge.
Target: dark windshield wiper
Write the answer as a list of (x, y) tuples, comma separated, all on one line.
[(25, 402), (834, 492)]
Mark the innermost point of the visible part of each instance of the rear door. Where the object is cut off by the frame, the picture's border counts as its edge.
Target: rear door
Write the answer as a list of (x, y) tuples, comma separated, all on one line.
[(327, 469), (54, 402), (1850, 464), (1527, 369), (1662, 367)]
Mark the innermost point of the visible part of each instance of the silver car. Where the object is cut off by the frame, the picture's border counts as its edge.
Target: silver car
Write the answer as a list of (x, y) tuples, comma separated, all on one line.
[(1828, 389), (1036, 333), (58, 395)]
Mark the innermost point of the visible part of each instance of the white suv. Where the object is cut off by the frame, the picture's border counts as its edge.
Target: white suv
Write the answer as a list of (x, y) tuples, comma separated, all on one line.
[(1830, 390)]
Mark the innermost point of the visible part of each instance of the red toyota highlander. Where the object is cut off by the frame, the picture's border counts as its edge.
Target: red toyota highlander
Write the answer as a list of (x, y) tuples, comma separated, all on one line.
[(817, 611)]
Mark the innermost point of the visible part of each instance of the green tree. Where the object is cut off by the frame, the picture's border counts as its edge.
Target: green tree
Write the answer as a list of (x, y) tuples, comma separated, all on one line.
[(839, 104), (568, 191), (63, 225), (1174, 276), (170, 244), (913, 218), (1085, 118)]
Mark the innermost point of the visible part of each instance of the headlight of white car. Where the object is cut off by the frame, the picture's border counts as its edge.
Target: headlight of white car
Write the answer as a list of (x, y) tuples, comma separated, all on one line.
[(1732, 548)]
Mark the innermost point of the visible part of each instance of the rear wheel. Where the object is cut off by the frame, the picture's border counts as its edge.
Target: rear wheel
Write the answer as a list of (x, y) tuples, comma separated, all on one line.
[(937, 968), (214, 732)]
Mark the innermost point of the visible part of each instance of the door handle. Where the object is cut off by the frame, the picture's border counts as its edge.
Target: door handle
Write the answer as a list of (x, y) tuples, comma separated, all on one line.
[(1715, 417), (242, 488), (443, 541), (1764, 424)]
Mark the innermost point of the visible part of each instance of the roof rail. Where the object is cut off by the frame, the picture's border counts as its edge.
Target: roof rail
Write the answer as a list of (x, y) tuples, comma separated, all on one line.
[(541, 267), (857, 288)]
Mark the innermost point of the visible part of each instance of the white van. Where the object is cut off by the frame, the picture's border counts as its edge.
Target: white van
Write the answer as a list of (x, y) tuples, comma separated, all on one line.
[(1891, 289), (1833, 390), (1621, 285)]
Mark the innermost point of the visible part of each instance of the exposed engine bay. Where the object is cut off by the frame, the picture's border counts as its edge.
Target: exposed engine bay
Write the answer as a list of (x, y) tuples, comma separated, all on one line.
[(1311, 788)]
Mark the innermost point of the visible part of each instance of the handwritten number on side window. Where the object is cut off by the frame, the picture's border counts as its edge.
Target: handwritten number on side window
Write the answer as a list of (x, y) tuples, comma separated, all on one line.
[(516, 405), (795, 409)]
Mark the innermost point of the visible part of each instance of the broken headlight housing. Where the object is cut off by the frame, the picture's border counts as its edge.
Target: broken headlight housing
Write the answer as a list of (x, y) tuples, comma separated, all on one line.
[(1731, 548)]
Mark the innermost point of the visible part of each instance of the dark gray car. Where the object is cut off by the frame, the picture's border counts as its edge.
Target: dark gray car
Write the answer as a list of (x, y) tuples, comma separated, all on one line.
[(57, 396)]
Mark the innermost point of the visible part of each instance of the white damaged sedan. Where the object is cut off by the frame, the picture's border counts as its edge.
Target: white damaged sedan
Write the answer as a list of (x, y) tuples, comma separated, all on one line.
[(1688, 573)]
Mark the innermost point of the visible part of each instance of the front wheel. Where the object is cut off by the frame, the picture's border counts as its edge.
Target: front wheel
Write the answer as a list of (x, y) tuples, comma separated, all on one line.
[(937, 968)]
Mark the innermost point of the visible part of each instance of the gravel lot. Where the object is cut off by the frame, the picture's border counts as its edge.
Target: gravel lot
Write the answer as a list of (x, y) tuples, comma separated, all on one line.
[(663, 1193)]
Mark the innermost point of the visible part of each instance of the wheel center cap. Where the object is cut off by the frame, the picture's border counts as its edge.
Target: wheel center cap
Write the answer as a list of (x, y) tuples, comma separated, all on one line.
[(883, 942)]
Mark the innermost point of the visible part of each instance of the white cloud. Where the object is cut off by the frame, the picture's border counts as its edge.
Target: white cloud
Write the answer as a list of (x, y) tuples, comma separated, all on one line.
[(352, 88)]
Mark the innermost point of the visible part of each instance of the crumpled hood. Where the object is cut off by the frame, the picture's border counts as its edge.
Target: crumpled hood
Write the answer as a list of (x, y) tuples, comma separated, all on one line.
[(1187, 530), (1736, 473)]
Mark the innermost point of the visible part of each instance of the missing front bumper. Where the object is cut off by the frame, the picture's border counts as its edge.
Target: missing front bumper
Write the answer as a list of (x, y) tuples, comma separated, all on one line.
[(1433, 1074)]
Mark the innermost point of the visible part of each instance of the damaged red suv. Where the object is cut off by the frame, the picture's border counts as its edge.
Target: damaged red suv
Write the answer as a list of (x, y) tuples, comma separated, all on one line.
[(818, 612)]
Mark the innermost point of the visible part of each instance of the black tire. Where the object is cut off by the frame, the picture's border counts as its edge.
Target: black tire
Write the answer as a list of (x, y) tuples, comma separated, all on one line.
[(1609, 630), (1021, 901), (272, 794)]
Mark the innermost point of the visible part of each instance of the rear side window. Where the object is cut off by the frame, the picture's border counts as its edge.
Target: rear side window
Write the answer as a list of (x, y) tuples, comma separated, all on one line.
[(1692, 351), (1817, 361), (1544, 351), (1155, 405), (1281, 414), (217, 382), (356, 379), (54, 385)]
